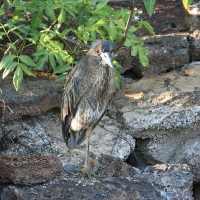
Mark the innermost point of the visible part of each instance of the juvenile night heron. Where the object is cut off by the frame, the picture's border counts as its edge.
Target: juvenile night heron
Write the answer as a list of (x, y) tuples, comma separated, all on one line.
[(89, 89)]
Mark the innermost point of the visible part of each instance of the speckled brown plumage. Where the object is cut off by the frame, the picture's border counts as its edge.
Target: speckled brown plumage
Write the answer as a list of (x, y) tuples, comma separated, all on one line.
[(89, 89)]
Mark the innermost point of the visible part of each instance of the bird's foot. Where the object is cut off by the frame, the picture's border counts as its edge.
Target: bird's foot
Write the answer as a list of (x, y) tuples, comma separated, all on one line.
[(86, 172)]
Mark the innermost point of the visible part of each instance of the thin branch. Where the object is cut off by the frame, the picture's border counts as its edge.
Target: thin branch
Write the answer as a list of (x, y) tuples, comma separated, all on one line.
[(8, 49), (82, 45), (127, 26)]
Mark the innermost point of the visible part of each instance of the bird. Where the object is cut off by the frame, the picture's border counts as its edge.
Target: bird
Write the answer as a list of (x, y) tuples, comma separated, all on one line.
[(89, 90)]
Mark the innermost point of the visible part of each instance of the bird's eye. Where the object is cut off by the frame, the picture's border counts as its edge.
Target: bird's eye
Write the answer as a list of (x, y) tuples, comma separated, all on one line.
[(97, 51)]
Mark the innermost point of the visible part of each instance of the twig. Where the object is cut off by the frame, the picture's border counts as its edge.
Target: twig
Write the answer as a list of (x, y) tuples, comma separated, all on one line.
[(127, 26), (76, 42), (8, 49)]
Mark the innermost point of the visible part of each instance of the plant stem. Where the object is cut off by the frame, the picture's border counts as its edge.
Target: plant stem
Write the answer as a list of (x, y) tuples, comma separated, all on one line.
[(127, 25)]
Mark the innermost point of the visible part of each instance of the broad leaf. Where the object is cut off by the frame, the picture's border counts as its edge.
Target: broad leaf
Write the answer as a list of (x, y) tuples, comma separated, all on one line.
[(149, 5), (27, 60), (62, 16), (9, 69), (120, 23), (50, 13), (61, 77), (37, 20), (62, 69), (112, 31), (18, 77), (187, 3), (6, 61), (133, 50), (26, 70), (101, 4), (52, 61), (41, 62), (143, 59)]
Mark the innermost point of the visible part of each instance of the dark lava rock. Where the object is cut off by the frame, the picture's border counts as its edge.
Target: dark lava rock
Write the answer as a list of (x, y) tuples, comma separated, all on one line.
[(166, 52), (110, 188), (28, 170), (195, 45), (35, 97)]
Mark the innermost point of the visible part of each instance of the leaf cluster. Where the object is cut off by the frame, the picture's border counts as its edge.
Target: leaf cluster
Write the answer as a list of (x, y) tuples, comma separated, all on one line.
[(51, 25)]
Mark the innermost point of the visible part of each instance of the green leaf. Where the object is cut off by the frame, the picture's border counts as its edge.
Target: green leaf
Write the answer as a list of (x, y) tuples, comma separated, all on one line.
[(41, 62), (93, 35), (85, 36), (117, 78), (61, 77), (143, 59), (112, 31), (40, 53), (59, 59), (101, 4), (62, 69), (52, 61), (7, 60), (27, 70), (116, 64), (50, 13), (147, 25), (187, 3), (62, 16), (149, 5), (100, 22), (120, 23), (27, 60), (72, 1), (65, 32), (12, 46), (133, 50), (1, 11), (9, 69), (127, 42), (37, 20), (18, 14), (17, 78), (81, 18)]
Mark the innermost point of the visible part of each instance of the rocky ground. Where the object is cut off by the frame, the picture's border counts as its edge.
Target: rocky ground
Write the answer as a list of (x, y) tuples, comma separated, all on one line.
[(145, 147)]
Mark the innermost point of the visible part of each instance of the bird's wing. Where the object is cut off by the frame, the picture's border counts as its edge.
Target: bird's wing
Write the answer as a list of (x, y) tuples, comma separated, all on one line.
[(76, 87)]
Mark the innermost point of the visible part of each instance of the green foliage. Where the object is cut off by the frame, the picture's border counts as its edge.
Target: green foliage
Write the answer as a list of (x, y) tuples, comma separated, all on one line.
[(149, 5), (49, 25), (187, 3)]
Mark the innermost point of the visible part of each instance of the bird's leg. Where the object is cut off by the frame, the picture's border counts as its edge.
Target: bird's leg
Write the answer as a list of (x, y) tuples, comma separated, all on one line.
[(86, 169), (87, 148)]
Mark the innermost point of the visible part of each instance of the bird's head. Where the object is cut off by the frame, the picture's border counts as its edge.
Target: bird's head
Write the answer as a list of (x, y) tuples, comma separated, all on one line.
[(104, 49)]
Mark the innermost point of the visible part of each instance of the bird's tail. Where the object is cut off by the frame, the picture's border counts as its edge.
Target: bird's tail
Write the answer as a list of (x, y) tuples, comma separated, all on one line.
[(76, 138), (73, 138)]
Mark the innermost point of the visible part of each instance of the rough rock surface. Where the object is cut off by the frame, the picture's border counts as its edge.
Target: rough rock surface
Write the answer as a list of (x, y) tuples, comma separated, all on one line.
[(163, 112), (192, 16), (28, 170), (160, 111), (166, 52), (194, 40), (171, 180), (32, 99)]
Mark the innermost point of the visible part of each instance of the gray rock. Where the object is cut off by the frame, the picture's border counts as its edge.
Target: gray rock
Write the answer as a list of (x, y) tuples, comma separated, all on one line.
[(173, 181), (192, 16), (166, 52), (66, 188), (28, 170), (34, 98), (194, 40)]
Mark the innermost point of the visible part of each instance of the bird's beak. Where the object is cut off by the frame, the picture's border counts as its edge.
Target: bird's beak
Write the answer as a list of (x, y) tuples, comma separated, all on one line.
[(107, 59)]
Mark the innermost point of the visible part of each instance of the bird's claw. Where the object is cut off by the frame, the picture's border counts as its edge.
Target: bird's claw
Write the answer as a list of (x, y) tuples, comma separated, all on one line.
[(86, 172)]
